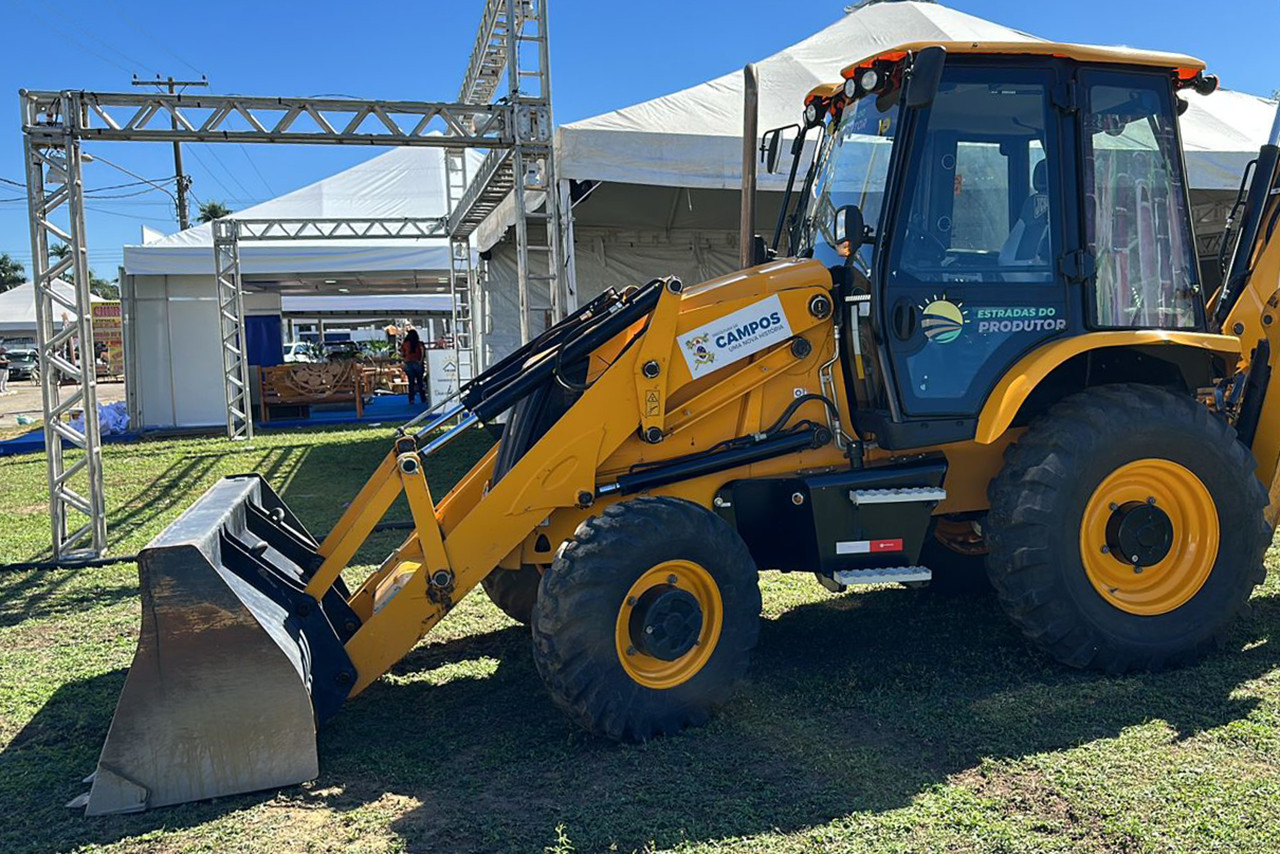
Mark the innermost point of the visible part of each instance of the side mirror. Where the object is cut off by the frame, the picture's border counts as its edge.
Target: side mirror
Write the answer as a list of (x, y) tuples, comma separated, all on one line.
[(771, 147), (926, 75), (850, 227)]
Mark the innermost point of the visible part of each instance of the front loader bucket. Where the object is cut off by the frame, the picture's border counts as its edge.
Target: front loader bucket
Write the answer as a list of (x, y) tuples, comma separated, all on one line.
[(235, 664)]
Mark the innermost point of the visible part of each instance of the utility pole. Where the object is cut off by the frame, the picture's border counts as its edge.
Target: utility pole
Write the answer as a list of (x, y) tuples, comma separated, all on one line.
[(183, 182)]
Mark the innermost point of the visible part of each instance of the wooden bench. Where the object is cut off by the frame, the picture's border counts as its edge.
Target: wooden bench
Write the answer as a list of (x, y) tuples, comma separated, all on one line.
[(304, 384)]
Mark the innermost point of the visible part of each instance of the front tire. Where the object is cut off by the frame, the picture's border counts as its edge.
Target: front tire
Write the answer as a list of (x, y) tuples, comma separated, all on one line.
[(647, 618), (514, 591), (1126, 529)]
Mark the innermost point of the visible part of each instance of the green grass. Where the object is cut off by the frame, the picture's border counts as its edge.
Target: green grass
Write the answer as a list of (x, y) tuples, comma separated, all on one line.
[(888, 720)]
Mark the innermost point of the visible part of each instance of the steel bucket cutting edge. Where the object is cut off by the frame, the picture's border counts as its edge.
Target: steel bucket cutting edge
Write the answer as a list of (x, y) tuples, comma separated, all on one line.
[(235, 664)]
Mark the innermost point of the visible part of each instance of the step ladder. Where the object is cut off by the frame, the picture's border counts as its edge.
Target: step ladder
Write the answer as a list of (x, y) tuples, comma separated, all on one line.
[(888, 574)]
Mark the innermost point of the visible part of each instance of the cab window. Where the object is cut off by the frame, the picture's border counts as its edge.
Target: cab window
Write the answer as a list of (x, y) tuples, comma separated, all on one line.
[(1136, 216), (979, 210)]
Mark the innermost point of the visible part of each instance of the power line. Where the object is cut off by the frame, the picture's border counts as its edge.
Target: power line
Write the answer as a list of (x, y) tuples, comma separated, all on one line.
[(100, 159), (230, 173), (63, 21), (261, 177), (212, 174), (161, 42)]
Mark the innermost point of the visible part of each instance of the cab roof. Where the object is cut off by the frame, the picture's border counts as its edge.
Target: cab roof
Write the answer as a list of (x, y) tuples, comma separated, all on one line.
[(1186, 67)]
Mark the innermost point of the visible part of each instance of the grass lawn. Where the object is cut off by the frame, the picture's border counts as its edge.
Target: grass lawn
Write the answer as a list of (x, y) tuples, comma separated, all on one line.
[(885, 720)]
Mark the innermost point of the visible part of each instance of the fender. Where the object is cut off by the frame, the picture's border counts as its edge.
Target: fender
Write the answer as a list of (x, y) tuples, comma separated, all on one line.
[(1011, 392)]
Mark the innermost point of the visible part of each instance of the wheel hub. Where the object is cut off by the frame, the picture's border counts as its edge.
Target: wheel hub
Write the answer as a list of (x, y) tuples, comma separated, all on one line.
[(1139, 533), (1149, 536), (666, 622)]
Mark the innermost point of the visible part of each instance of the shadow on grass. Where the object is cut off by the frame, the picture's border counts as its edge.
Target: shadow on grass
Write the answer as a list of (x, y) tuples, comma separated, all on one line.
[(858, 703), (317, 480)]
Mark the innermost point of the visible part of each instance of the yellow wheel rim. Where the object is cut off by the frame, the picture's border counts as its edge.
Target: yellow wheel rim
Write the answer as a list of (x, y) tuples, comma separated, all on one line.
[(1160, 587), (675, 575)]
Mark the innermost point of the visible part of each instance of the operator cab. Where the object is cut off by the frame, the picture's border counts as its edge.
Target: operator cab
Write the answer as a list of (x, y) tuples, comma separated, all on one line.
[(1004, 195)]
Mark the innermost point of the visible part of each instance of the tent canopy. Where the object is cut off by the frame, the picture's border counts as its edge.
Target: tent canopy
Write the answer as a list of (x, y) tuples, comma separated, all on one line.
[(370, 305), (18, 305), (692, 138), (402, 182)]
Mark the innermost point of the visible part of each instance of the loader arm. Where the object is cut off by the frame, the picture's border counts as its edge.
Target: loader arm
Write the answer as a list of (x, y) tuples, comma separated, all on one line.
[(1248, 306), (458, 541)]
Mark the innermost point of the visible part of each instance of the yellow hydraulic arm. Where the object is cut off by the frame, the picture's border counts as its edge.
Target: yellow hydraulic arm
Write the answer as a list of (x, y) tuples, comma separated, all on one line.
[(461, 538)]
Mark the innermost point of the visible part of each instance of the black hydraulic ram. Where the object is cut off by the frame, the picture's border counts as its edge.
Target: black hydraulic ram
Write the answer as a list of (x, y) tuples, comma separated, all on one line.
[(539, 367), (1260, 190), (687, 468), (475, 391)]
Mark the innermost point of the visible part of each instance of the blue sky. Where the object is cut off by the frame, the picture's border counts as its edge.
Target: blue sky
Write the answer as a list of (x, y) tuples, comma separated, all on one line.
[(604, 55)]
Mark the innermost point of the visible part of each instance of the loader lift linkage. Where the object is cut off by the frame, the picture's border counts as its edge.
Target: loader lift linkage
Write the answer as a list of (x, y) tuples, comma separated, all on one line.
[(984, 346)]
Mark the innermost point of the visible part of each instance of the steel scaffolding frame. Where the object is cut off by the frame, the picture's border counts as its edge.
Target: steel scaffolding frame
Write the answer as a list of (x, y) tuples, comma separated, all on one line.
[(229, 232), (64, 341), (231, 331), (514, 42), (516, 130)]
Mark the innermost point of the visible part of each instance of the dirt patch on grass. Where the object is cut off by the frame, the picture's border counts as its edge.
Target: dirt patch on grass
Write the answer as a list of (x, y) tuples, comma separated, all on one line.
[(1029, 796)]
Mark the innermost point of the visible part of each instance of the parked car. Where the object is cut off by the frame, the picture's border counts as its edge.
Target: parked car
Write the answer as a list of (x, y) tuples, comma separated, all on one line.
[(335, 350), (23, 365), (299, 351)]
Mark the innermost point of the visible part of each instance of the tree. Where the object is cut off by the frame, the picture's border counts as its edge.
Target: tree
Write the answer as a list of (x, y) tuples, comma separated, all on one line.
[(209, 211), (99, 286), (11, 273), (103, 288)]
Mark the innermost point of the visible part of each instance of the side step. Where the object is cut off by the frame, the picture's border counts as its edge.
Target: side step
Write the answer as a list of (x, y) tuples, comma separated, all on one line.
[(902, 495), (883, 575)]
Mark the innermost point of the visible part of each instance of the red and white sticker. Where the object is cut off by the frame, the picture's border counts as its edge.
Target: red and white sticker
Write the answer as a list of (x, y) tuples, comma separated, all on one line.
[(868, 547)]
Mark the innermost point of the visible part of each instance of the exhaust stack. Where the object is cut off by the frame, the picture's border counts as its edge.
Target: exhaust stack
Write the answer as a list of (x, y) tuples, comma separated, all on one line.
[(750, 130)]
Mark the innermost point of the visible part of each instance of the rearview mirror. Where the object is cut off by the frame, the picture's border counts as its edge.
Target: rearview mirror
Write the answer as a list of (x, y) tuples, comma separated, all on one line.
[(771, 146), (926, 75), (849, 227)]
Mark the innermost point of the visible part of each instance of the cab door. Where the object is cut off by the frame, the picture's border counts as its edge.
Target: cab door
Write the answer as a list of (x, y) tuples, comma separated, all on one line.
[(971, 281)]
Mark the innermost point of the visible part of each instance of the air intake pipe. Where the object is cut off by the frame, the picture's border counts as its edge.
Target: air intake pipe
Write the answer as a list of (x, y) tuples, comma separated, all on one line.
[(750, 130)]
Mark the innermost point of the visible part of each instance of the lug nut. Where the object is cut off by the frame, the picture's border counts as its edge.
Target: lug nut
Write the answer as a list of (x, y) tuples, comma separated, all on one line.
[(1151, 499), (672, 580), (1106, 550), (631, 601), (631, 650)]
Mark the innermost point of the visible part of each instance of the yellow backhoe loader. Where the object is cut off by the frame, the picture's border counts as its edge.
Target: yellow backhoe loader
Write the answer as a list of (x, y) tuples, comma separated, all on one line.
[(979, 336)]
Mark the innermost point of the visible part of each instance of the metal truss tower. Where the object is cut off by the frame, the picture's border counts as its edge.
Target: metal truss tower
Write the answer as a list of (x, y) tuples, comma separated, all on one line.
[(513, 46), (515, 129)]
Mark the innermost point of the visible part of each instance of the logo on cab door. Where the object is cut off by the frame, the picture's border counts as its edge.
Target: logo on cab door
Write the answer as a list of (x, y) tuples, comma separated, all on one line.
[(735, 336)]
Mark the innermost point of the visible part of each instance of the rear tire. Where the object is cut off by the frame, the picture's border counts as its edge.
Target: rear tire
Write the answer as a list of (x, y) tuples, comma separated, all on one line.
[(514, 591), (611, 585), (1061, 562)]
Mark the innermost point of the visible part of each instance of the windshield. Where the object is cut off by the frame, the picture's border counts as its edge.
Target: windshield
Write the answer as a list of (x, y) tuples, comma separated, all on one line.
[(853, 173)]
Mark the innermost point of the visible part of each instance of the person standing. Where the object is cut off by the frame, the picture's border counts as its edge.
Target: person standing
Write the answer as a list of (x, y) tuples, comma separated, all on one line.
[(4, 369), (411, 351)]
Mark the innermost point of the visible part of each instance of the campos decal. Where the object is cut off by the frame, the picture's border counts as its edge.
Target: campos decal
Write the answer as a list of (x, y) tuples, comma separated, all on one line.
[(734, 336), (1014, 320)]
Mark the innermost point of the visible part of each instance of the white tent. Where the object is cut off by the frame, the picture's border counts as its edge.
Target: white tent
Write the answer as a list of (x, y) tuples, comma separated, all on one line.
[(18, 307), (693, 138), (664, 173), (370, 305), (403, 182), (174, 355)]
